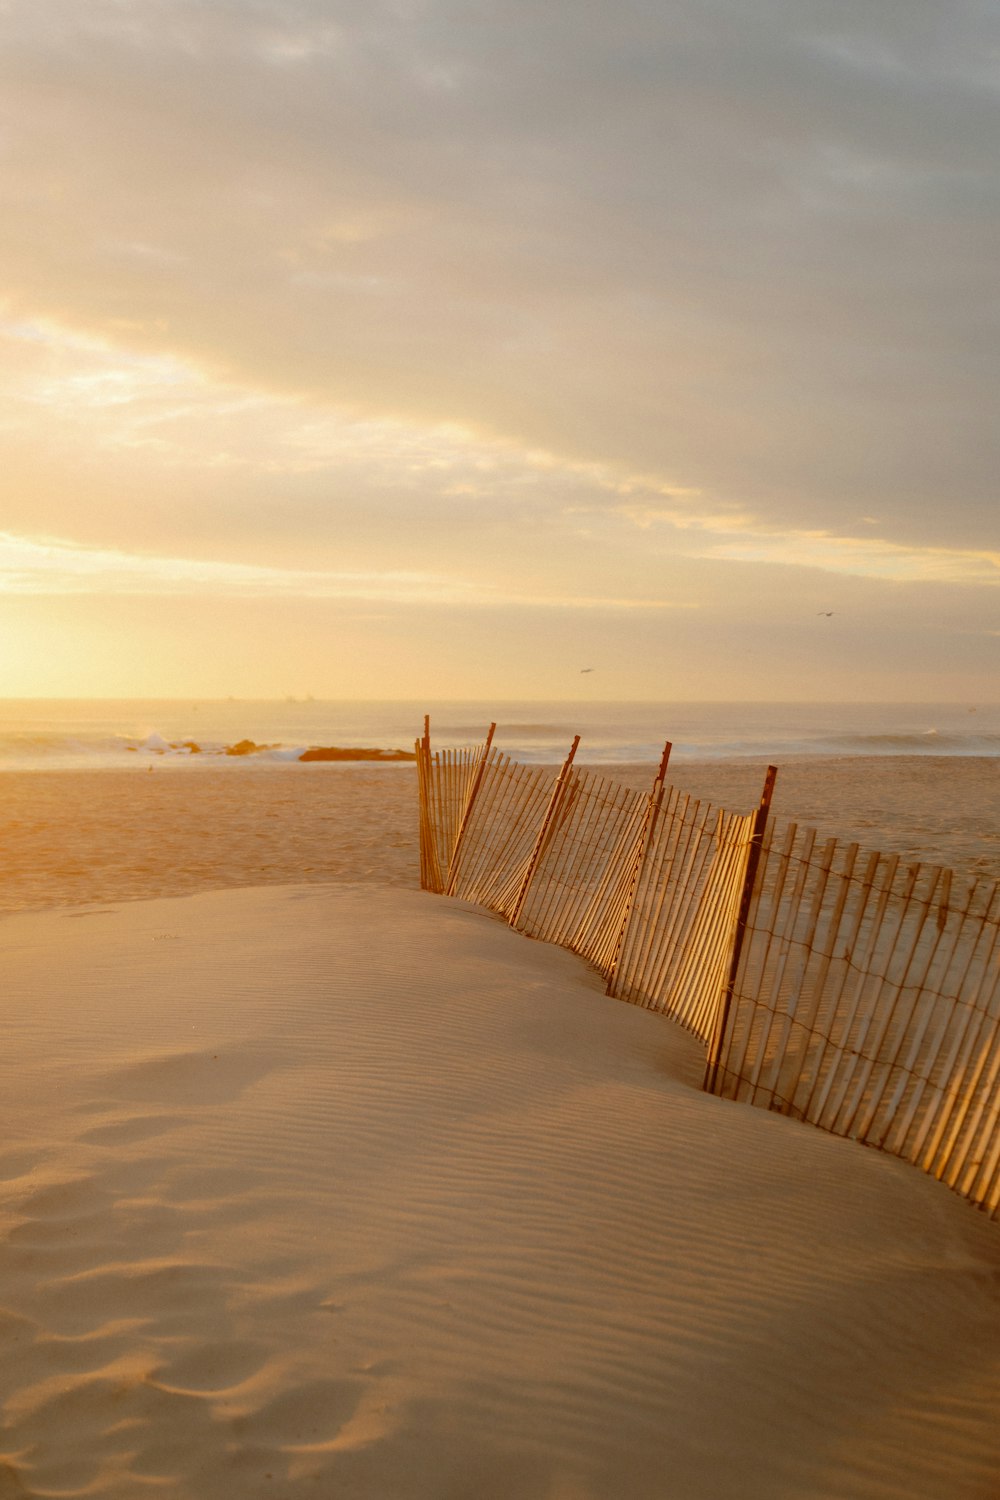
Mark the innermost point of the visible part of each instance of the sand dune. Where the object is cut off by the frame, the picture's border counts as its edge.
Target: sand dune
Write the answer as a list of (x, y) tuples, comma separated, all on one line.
[(348, 1191)]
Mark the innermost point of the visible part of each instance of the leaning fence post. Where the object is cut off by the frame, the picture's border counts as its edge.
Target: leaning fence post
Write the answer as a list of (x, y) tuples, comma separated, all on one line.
[(477, 782), (649, 827), (419, 748), (430, 869), (543, 832), (753, 859)]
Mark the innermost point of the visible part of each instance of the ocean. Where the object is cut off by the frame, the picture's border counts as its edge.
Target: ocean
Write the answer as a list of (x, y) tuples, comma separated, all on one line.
[(129, 734), (79, 826)]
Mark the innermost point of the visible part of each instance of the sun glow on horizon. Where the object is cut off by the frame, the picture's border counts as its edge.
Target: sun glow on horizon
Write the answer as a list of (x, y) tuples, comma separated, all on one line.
[(415, 355)]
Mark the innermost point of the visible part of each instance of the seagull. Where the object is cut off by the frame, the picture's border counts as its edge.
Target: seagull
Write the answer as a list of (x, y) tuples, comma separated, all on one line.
[(827, 612), (585, 669)]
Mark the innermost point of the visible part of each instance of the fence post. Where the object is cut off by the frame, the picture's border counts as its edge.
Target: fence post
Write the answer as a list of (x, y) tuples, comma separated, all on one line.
[(543, 832), (753, 859), (473, 793), (430, 873), (652, 814)]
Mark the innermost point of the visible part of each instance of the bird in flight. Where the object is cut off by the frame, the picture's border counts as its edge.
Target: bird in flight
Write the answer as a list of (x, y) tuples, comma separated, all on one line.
[(827, 612), (585, 669)]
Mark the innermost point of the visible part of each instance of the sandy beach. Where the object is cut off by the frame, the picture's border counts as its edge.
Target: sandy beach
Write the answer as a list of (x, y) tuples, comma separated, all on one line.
[(345, 1190), (78, 836), (454, 459)]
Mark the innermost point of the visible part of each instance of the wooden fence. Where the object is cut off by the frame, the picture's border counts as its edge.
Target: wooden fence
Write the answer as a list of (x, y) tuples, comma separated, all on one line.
[(839, 987)]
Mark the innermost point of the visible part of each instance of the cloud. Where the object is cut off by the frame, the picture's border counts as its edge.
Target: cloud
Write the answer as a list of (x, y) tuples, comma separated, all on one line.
[(747, 541), (53, 566), (751, 247), (866, 558), (336, 483), (675, 312)]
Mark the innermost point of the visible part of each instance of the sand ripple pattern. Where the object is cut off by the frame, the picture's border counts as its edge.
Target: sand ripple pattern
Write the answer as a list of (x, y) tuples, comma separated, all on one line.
[(342, 1191)]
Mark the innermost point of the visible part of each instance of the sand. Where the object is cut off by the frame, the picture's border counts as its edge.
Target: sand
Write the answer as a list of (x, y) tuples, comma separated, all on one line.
[(349, 1191), (68, 837)]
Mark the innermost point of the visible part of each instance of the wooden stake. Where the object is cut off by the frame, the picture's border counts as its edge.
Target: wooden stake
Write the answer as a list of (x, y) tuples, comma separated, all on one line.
[(543, 832), (430, 870), (753, 857), (649, 828), (477, 782)]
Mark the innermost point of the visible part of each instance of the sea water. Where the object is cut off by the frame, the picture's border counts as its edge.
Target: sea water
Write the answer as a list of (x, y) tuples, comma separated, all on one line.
[(78, 734)]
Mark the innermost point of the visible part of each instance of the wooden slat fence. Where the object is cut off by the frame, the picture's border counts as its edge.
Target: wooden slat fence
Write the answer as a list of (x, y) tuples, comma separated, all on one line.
[(446, 783), (839, 987), (867, 1001), (646, 887)]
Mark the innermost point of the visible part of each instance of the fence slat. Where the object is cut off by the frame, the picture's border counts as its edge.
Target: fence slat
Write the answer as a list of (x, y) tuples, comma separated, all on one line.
[(833, 986)]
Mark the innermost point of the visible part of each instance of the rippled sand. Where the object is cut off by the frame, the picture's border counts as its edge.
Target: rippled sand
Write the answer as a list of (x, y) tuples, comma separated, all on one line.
[(346, 1191)]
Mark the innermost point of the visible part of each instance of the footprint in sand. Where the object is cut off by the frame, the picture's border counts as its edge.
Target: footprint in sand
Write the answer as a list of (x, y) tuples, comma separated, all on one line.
[(189, 1077), (165, 1291), (60, 1224), (66, 1430), (124, 1132), (212, 1368), (73, 1198), (70, 1225), (309, 1416), (15, 1164)]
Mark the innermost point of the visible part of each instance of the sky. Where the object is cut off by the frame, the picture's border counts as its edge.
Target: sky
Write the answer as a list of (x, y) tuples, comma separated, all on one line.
[(416, 348)]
